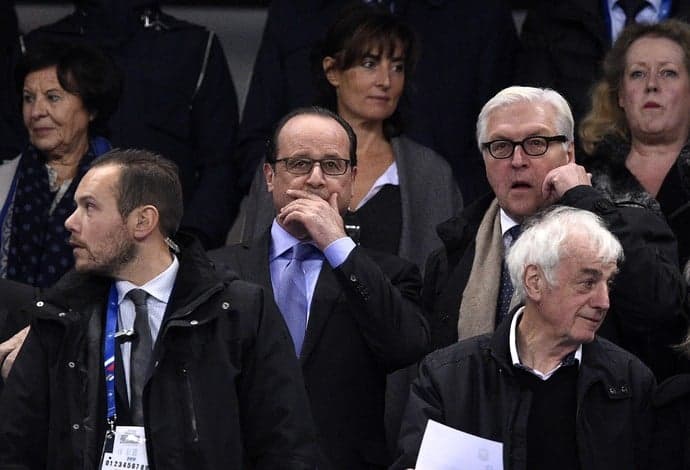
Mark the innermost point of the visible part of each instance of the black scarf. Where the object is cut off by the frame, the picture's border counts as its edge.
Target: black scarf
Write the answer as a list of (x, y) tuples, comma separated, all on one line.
[(39, 253)]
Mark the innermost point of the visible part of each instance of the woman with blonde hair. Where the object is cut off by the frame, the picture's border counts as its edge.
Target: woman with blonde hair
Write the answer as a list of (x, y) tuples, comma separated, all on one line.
[(636, 135)]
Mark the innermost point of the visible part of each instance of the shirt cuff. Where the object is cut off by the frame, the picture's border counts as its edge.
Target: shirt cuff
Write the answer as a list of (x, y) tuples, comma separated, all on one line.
[(337, 252)]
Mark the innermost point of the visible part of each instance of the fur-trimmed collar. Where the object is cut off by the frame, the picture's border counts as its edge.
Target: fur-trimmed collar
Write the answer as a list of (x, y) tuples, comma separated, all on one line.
[(610, 175)]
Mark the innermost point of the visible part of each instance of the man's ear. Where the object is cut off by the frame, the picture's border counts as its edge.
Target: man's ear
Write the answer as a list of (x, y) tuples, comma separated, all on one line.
[(534, 282), (269, 173), (571, 152), (144, 221)]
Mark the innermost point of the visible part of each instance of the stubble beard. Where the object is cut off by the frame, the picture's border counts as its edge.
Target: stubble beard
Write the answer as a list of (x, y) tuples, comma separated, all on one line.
[(110, 264)]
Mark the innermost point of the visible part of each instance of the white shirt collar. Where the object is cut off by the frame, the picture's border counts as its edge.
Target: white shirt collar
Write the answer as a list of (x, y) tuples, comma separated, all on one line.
[(160, 287), (515, 358), (281, 241), (506, 222), (655, 4), (390, 176)]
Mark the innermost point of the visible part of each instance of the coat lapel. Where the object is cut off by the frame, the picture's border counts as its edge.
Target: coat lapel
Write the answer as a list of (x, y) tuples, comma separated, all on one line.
[(256, 264), (324, 301)]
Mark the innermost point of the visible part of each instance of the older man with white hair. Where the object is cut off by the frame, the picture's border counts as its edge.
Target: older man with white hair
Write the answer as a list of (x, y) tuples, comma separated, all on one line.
[(525, 135), (544, 384)]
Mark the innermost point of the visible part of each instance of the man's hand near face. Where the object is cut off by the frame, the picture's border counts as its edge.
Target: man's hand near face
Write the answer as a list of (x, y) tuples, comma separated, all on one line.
[(320, 218), (563, 178), (9, 350)]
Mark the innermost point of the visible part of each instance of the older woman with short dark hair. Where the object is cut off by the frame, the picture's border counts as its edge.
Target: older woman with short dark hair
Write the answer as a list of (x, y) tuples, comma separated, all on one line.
[(68, 92)]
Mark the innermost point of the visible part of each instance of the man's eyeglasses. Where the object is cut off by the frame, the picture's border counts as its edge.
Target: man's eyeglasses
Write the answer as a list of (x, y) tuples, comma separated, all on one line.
[(304, 166), (534, 146)]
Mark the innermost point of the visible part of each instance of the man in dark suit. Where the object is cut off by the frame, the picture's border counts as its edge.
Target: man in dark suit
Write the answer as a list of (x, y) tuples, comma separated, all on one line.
[(360, 317)]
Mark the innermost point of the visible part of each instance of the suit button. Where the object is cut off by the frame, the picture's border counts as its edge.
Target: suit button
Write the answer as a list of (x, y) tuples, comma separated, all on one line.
[(225, 305), (353, 278), (71, 365), (40, 303), (75, 427)]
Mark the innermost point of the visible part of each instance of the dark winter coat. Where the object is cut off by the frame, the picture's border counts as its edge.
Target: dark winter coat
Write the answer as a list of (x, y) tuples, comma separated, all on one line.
[(610, 175), (647, 311), (224, 389), (472, 386)]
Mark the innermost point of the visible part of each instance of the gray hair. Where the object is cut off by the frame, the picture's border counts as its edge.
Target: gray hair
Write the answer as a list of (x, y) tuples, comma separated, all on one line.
[(545, 238), (522, 94)]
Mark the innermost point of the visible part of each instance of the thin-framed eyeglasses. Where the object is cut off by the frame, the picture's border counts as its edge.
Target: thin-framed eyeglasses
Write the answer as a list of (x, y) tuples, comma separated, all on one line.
[(533, 146), (304, 165)]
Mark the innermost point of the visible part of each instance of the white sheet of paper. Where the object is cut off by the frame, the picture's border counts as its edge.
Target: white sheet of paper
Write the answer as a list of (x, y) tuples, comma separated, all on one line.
[(445, 448)]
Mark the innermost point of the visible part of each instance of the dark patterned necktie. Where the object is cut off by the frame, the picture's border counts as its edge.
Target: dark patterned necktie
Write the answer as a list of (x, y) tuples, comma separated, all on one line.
[(506, 293), (631, 9), (140, 355)]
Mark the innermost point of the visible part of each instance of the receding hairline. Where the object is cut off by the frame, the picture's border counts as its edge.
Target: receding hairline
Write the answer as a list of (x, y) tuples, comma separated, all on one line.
[(290, 121)]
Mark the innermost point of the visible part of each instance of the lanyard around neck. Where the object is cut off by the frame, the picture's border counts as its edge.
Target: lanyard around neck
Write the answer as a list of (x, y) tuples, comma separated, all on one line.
[(109, 354)]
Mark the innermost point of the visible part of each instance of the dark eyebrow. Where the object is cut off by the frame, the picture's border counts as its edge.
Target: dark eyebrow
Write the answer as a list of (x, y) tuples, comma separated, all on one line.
[(595, 273), (84, 198), (371, 55)]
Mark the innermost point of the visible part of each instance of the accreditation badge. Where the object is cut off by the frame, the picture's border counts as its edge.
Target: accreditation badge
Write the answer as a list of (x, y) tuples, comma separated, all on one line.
[(125, 448)]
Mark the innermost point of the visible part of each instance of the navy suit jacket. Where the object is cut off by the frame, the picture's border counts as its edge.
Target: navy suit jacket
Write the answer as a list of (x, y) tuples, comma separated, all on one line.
[(365, 322)]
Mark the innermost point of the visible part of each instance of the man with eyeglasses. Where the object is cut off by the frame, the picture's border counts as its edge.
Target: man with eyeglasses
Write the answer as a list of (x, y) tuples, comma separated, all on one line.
[(353, 314), (525, 135)]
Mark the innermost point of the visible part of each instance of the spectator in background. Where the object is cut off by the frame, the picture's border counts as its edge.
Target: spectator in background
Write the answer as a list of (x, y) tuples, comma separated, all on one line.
[(564, 42), (12, 132), (178, 100), (361, 68), (68, 93), (467, 54), (637, 132)]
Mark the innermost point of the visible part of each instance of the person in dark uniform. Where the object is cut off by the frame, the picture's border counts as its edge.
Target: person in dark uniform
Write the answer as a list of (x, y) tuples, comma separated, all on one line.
[(178, 100)]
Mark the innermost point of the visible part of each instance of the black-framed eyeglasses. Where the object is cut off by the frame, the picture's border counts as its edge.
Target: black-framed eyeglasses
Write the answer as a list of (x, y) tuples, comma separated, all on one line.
[(533, 146), (304, 166)]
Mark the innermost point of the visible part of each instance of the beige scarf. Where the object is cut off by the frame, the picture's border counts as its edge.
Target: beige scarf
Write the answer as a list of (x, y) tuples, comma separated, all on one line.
[(479, 300)]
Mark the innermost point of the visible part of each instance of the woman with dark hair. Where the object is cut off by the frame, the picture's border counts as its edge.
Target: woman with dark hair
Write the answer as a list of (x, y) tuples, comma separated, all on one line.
[(403, 189), (68, 92), (636, 135)]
